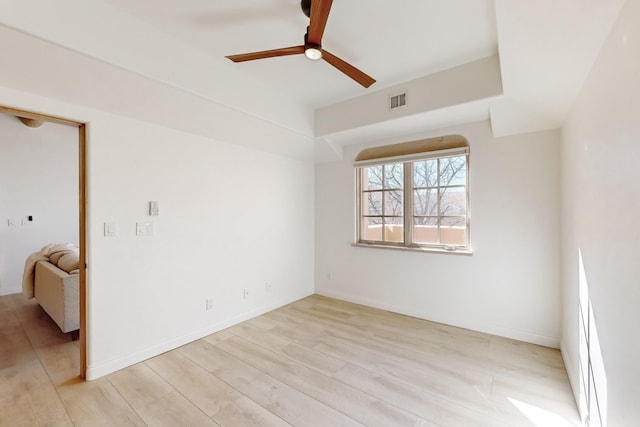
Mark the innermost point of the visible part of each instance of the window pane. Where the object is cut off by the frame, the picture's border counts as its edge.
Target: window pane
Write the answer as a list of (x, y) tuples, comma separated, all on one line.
[(436, 203), (425, 202), (393, 203), (372, 178), (453, 201), (372, 229), (393, 175), (425, 173), (425, 230), (393, 230), (453, 171), (372, 203), (453, 231)]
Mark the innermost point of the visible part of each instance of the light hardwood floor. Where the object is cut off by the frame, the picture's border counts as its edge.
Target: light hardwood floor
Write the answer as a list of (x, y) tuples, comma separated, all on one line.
[(316, 362)]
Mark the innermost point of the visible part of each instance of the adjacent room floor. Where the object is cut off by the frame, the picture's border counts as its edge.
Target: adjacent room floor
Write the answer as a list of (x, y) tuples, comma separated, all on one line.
[(316, 362)]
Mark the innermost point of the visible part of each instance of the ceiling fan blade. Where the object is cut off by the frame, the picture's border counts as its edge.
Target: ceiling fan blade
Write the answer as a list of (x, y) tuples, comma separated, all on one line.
[(348, 69), (294, 50), (319, 14)]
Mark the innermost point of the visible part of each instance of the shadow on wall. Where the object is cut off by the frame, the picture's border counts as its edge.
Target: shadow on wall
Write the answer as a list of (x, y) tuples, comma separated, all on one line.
[(593, 378)]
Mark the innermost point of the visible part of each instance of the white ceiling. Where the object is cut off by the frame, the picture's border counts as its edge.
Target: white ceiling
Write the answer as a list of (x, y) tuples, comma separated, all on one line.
[(393, 41), (546, 49)]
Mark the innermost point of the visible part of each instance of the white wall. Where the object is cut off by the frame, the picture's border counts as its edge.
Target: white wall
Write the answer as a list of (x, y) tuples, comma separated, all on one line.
[(235, 191), (231, 218), (38, 177), (601, 194), (509, 286)]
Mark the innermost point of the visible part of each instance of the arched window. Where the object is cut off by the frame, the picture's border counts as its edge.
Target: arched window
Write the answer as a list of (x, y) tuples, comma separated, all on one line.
[(415, 194)]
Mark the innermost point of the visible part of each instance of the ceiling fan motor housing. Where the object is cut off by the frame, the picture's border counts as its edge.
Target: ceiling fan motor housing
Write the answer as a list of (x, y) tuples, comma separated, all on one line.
[(306, 7)]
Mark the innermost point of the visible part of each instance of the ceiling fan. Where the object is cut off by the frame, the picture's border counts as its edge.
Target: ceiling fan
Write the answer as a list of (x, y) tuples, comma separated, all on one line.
[(318, 13)]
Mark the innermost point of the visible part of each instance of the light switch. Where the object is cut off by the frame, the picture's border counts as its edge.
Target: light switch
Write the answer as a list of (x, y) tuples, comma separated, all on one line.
[(154, 208), (12, 222), (144, 228), (110, 229)]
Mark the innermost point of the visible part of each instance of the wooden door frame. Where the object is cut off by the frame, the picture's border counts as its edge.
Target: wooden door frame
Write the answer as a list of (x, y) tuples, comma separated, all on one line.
[(82, 189)]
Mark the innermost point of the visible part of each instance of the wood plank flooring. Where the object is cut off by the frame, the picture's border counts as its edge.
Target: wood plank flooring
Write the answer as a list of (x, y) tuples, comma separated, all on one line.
[(316, 362)]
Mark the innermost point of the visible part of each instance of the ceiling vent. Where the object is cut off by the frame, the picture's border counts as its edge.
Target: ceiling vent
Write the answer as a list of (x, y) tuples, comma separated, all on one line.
[(397, 100)]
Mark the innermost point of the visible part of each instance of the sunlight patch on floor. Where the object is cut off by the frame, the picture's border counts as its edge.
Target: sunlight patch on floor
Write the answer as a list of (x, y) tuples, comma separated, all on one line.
[(540, 417)]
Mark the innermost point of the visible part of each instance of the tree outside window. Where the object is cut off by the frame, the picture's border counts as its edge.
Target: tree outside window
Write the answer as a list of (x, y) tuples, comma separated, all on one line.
[(420, 202)]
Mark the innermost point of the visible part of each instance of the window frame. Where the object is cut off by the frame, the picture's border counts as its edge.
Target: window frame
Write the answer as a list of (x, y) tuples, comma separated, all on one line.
[(408, 161), (383, 189)]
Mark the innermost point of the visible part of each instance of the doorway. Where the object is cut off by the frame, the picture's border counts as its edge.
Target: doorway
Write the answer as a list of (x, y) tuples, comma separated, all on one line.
[(32, 119)]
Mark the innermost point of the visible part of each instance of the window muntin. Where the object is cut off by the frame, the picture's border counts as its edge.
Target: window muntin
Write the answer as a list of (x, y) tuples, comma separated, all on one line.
[(382, 202), (420, 202), (440, 201)]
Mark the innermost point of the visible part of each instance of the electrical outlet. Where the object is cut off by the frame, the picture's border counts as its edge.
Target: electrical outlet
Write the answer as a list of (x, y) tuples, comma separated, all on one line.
[(246, 294), (267, 288), (209, 304)]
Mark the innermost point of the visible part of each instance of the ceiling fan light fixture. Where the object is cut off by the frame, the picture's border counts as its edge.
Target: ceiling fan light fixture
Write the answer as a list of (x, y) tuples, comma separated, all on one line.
[(313, 51)]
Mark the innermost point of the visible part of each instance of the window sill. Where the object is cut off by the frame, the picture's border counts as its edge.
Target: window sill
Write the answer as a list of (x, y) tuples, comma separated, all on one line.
[(413, 249)]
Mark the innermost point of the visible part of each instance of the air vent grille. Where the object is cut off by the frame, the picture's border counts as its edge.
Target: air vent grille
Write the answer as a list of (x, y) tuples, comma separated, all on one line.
[(397, 100)]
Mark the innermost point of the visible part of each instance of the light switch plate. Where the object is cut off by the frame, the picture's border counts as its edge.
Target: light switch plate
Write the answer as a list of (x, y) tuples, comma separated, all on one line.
[(154, 208), (110, 229), (144, 228)]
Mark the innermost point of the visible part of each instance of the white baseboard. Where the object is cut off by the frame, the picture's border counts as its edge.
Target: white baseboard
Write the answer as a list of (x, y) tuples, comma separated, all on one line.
[(545, 341), (107, 367), (104, 368)]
